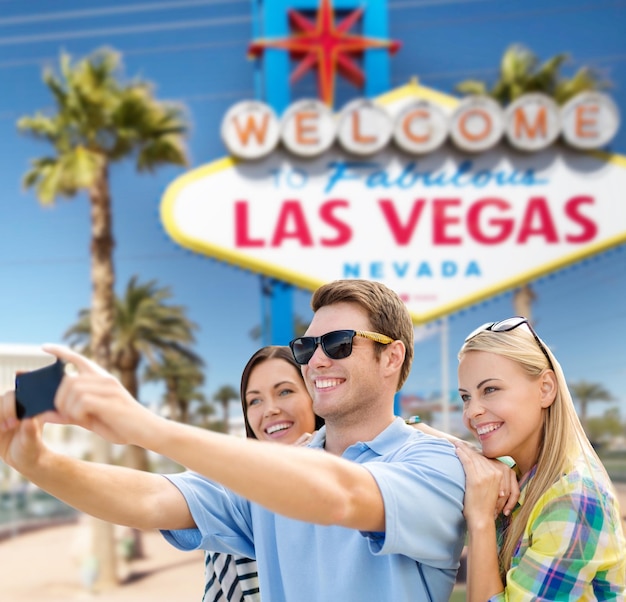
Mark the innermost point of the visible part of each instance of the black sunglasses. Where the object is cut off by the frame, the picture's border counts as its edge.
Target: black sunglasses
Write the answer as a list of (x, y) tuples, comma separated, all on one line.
[(336, 344), (506, 326)]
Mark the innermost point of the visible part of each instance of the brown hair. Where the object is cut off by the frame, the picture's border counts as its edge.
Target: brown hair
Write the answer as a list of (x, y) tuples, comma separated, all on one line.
[(260, 356), (387, 313)]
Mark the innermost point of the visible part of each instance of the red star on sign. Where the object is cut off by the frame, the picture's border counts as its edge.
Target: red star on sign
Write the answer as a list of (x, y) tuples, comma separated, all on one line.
[(326, 47)]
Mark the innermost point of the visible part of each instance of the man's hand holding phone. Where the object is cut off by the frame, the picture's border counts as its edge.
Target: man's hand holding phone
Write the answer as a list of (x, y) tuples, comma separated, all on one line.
[(35, 390), (89, 397)]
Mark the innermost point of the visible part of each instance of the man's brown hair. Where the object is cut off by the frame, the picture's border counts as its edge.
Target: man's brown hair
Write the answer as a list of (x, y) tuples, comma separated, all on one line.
[(386, 311)]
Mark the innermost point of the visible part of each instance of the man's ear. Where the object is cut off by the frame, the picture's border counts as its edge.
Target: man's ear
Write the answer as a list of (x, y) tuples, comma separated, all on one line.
[(548, 388), (395, 353)]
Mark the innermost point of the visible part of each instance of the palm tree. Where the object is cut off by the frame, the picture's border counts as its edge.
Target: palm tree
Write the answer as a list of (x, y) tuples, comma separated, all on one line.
[(224, 394), (98, 121), (586, 393), (200, 413), (144, 326), (182, 377), (521, 73)]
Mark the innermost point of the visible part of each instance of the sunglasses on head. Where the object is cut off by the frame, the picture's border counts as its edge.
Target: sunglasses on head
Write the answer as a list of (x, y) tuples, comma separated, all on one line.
[(506, 326), (336, 344)]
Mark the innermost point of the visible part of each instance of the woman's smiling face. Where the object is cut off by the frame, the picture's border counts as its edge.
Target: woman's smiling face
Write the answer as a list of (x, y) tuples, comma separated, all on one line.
[(503, 405), (279, 407)]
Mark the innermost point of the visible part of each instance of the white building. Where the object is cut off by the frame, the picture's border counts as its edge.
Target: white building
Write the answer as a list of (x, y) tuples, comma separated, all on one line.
[(15, 358)]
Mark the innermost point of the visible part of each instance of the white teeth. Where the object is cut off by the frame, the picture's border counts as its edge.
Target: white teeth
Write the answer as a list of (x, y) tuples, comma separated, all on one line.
[(277, 427), (483, 430), (328, 382)]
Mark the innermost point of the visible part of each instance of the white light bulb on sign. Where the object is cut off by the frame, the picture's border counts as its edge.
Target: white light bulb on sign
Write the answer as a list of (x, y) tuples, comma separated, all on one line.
[(477, 124), (532, 122), (308, 128), (250, 130), (365, 128), (421, 127), (589, 120)]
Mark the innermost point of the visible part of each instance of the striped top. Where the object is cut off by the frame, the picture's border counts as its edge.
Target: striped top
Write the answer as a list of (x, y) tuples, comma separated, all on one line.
[(230, 578), (573, 547)]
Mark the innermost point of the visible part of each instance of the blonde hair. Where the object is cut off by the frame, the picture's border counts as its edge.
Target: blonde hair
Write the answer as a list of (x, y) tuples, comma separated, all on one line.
[(563, 436)]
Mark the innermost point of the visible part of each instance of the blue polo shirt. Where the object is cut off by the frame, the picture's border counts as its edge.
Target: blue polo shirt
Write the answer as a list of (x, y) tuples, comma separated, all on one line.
[(416, 559)]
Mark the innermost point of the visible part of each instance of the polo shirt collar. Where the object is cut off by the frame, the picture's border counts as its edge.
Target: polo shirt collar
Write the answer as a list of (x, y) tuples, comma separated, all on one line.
[(386, 441)]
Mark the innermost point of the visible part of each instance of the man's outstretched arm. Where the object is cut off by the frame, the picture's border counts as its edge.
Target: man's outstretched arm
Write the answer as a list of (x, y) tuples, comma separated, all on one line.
[(296, 482), (113, 493)]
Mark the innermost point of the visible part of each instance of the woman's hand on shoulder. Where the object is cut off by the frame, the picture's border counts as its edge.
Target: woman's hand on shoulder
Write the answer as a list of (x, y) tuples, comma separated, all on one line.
[(491, 486)]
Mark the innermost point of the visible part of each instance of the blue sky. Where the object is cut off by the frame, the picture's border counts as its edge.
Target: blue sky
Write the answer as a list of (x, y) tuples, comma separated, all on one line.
[(195, 52)]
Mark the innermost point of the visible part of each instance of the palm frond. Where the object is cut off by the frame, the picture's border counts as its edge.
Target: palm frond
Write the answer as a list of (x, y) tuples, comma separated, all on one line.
[(472, 86), (100, 118), (521, 73)]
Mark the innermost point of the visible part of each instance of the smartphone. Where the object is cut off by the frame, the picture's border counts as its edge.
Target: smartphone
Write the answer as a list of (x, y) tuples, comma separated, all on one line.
[(35, 390)]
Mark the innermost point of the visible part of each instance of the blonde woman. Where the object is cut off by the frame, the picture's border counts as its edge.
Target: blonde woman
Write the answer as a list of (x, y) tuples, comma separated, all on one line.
[(564, 539)]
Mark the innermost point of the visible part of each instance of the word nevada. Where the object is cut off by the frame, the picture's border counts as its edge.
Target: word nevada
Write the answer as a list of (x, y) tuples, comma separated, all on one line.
[(251, 129)]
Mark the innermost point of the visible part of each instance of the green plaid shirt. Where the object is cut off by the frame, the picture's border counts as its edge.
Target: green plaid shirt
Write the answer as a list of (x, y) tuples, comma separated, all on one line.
[(573, 547)]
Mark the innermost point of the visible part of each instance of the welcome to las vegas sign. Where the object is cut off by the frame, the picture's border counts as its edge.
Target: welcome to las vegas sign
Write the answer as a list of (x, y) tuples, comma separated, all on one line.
[(444, 229)]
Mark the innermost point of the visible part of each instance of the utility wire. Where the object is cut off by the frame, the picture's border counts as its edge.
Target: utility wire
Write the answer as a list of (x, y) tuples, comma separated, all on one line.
[(214, 96), (124, 30), (112, 11), (178, 4), (505, 16), (431, 3), (169, 49), (246, 18)]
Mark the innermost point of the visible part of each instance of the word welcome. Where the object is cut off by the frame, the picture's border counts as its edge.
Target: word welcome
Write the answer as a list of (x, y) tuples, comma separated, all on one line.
[(251, 129)]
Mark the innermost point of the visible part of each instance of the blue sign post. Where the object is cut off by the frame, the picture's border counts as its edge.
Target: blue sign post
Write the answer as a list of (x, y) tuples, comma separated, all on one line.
[(324, 26)]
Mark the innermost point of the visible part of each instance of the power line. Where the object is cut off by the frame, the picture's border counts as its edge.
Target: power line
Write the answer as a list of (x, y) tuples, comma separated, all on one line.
[(109, 11), (215, 96), (502, 16), (488, 71), (211, 96), (169, 49), (430, 3), (220, 21), (124, 30)]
